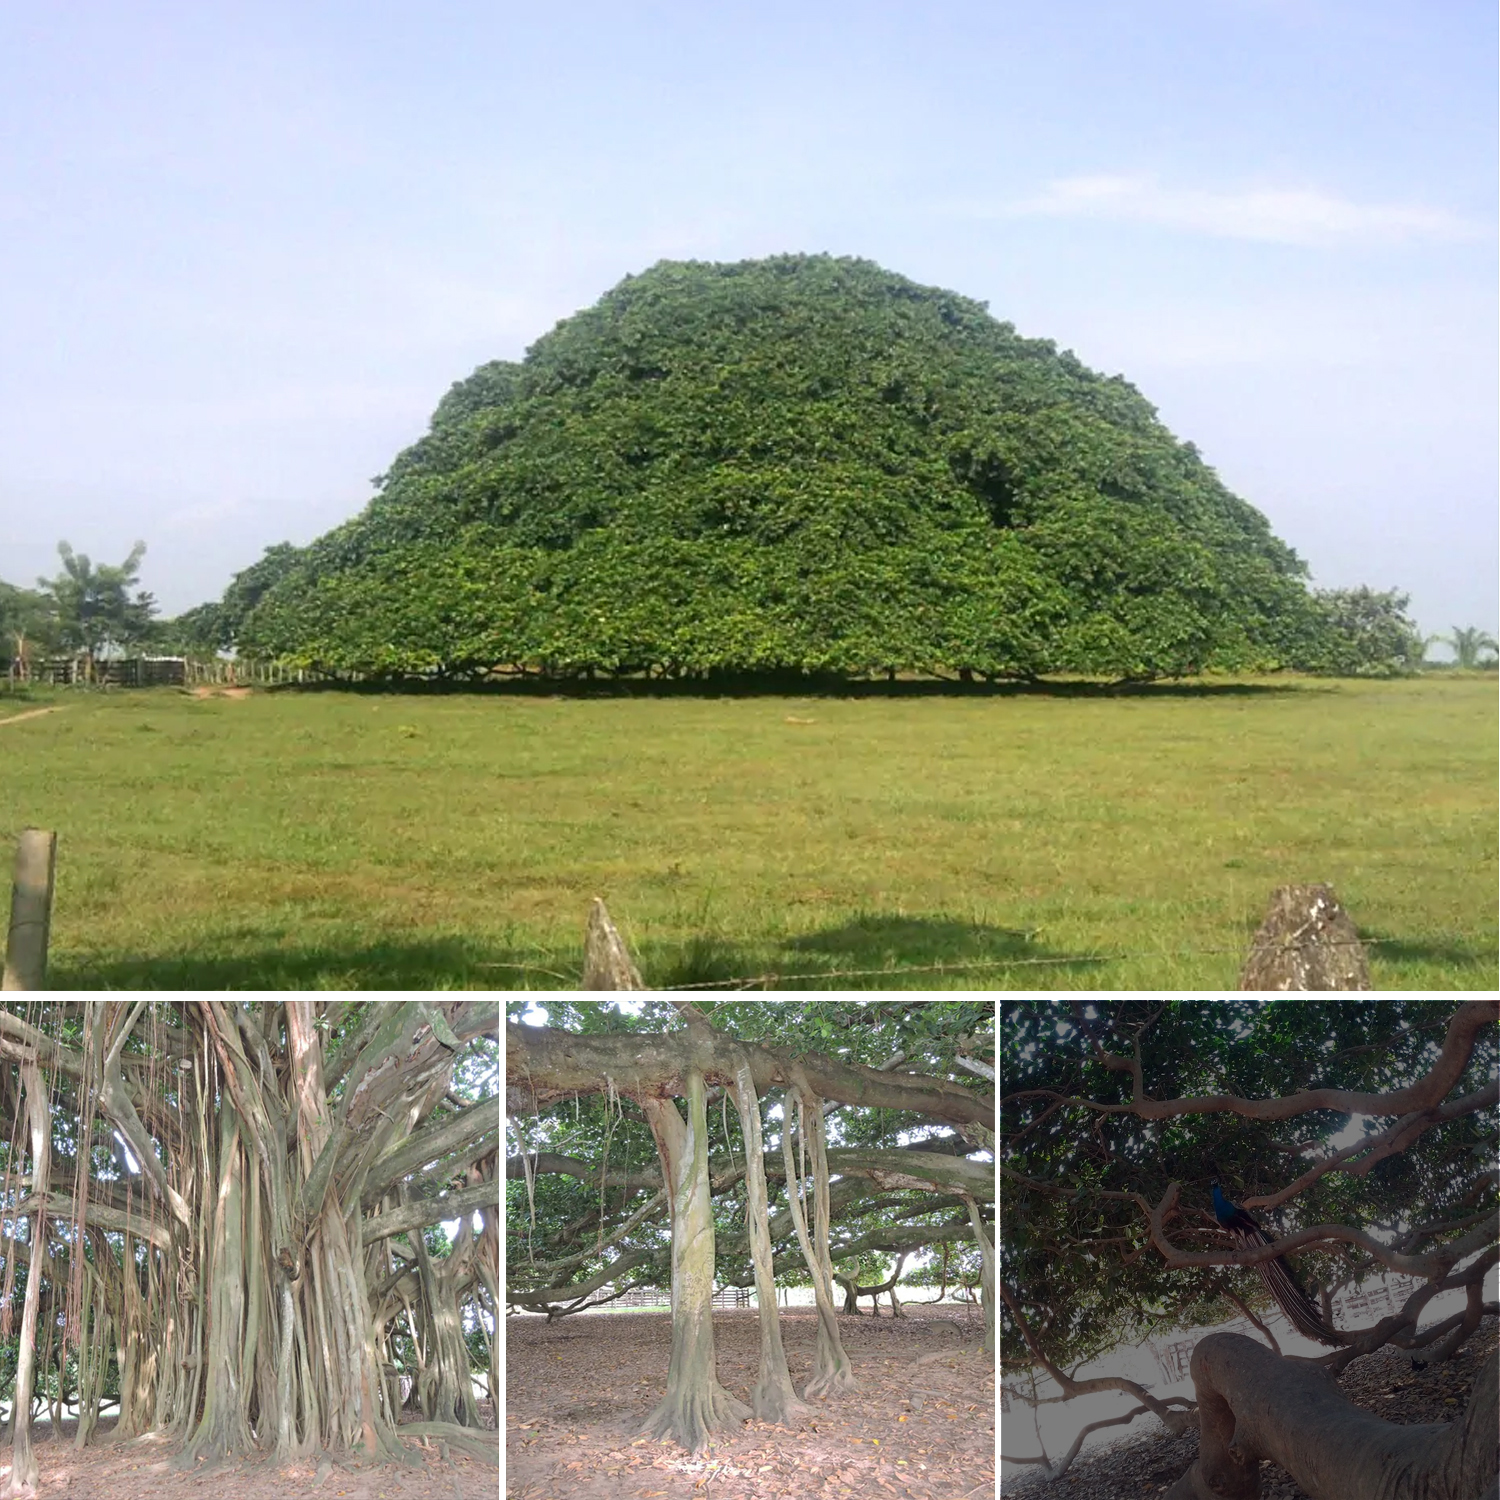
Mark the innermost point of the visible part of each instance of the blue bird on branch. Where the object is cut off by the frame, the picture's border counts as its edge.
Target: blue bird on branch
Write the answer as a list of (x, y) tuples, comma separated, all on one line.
[(1301, 1311)]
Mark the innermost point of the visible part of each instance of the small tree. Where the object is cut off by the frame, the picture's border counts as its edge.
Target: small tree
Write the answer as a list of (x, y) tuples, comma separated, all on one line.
[(94, 606), (1362, 632), (28, 623)]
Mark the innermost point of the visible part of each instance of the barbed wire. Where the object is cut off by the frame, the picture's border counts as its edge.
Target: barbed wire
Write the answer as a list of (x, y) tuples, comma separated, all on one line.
[(950, 966), (965, 965)]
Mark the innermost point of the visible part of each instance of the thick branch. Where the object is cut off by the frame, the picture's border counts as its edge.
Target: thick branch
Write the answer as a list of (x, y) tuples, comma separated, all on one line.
[(431, 1211), (1437, 1262), (1427, 1093), (434, 1141), (543, 1065)]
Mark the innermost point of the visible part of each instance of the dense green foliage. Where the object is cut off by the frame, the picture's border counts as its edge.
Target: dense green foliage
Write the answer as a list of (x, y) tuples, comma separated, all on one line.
[(801, 464), (1363, 633), (215, 626), (1080, 1262)]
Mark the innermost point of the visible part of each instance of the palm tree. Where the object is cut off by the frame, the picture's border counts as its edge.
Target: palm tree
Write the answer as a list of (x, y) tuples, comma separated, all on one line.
[(93, 605), (1469, 645)]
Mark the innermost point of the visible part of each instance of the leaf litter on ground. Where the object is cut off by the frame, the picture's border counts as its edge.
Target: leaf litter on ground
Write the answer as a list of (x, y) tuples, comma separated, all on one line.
[(859, 1446)]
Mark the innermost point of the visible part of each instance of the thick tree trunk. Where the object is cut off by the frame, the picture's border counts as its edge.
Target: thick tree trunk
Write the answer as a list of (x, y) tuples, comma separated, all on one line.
[(695, 1405), (774, 1398), (23, 1468), (449, 1396), (339, 1294), (1254, 1405), (833, 1374), (223, 1429)]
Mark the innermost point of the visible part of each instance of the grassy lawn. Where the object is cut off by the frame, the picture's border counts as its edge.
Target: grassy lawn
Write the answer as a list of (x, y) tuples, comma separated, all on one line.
[(313, 839)]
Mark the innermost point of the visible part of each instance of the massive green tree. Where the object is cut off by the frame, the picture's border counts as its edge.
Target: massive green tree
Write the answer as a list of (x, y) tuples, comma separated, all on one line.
[(802, 464), (1115, 1116), (229, 1213), (809, 1137)]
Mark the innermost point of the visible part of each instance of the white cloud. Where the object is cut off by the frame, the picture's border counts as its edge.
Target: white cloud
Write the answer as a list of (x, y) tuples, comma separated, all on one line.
[(1286, 216)]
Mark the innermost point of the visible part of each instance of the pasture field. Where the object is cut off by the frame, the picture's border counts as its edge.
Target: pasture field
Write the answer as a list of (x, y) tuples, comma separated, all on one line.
[(315, 839)]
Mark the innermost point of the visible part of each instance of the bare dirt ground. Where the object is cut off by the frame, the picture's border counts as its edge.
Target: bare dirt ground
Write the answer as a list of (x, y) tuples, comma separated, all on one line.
[(144, 1469), (31, 713), (577, 1390)]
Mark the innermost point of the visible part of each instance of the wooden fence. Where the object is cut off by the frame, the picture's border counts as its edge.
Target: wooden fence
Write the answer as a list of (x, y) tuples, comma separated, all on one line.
[(154, 671)]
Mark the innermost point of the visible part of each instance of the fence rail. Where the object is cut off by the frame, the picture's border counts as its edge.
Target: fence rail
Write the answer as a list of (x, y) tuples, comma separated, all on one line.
[(153, 671)]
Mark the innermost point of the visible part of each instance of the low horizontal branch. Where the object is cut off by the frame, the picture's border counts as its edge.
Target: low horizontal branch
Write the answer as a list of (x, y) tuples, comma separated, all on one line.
[(431, 1210), (544, 1065), (59, 1206), (437, 1139)]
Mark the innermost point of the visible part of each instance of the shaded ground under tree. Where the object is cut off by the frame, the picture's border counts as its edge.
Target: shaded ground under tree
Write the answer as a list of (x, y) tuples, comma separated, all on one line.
[(142, 1469), (919, 1424)]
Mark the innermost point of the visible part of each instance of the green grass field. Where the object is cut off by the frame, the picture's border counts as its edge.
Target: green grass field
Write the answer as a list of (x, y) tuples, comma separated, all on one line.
[(1062, 841)]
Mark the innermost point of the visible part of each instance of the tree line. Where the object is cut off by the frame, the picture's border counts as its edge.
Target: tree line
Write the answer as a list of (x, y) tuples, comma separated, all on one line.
[(802, 466)]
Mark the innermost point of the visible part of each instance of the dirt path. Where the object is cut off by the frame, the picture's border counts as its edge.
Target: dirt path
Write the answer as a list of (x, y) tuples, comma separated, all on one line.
[(33, 713), (144, 1470), (577, 1389)]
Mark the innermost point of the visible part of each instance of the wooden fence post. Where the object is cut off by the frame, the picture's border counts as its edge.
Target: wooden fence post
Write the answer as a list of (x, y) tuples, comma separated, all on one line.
[(607, 964), (30, 910)]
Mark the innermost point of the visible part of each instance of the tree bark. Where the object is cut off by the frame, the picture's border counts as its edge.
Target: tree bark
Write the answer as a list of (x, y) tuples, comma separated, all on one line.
[(853, 1291), (339, 1292), (696, 1405), (24, 1474), (224, 1429), (449, 1396), (774, 1398), (1254, 1405)]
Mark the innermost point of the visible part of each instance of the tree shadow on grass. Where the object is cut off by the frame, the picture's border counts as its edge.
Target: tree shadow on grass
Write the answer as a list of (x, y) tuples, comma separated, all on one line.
[(870, 951), (439, 963), (809, 685), (873, 951), (1449, 952)]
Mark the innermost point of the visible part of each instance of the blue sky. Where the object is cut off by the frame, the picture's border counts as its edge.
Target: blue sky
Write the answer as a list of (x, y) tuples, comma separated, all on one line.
[(244, 248)]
